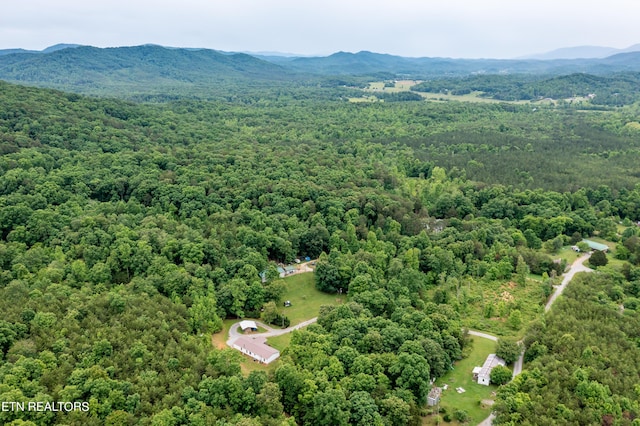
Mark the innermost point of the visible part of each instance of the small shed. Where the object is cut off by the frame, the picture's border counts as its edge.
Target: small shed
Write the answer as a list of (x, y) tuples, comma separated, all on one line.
[(434, 396), (248, 325), (475, 372)]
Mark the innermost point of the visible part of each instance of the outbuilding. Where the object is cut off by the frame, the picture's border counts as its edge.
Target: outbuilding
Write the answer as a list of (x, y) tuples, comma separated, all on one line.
[(434, 396), (248, 325), (596, 246)]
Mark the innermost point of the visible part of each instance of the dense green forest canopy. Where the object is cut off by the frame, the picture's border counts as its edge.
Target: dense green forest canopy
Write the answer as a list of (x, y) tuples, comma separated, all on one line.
[(129, 231), (584, 359)]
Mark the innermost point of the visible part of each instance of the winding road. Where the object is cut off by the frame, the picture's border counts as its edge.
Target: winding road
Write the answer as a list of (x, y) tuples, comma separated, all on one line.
[(576, 266)]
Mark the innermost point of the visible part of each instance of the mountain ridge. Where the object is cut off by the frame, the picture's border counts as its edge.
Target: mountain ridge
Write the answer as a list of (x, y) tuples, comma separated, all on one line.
[(159, 70), (582, 52)]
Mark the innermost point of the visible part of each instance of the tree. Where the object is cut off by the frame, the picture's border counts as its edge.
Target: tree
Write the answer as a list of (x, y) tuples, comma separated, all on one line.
[(412, 372), (500, 375), (330, 408), (598, 258), (269, 312), (232, 296), (582, 246), (268, 400), (396, 411), (203, 316), (515, 319), (522, 271), (364, 410), (508, 349)]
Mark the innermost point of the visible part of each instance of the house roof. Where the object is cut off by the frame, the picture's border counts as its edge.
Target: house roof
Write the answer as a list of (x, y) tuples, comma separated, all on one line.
[(492, 360), (596, 246), (248, 324), (435, 392), (257, 345)]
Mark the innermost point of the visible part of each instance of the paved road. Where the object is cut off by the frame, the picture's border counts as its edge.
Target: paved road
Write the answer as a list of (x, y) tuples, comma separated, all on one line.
[(517, 366), (483, 335), (233, 330), (488, 421), (576, 267)]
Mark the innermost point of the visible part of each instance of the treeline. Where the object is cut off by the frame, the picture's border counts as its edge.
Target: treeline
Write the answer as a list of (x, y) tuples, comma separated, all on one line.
[(614, 90)]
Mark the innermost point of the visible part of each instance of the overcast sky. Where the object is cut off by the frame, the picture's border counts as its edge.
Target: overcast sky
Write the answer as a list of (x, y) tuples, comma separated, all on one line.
[(449, 28)]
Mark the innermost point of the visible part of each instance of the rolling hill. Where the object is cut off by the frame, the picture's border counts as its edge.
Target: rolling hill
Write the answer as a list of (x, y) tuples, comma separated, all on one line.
[(155, 72), (139, 69)]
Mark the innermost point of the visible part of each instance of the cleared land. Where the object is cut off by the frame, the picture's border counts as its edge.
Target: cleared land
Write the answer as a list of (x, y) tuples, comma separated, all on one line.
[(305, 298), (280, 342), (460, 376)]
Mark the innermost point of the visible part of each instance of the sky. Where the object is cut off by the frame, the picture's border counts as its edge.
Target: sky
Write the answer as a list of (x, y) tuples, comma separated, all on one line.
[(415, 28)]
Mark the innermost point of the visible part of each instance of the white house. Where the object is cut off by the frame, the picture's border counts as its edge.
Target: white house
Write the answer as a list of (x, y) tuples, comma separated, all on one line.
[(257, 349), (481, 374)]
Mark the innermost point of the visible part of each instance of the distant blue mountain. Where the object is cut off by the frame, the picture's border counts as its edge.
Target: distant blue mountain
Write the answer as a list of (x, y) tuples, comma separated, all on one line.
[(60, 46), (161, 70), (582, 52), (49, 49)]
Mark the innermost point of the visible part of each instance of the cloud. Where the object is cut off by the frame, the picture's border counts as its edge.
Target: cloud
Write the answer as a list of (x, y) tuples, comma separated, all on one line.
[(459, 28)]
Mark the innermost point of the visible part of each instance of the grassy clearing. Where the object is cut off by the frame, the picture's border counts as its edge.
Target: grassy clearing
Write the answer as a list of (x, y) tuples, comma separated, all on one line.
[(566, 253), (219, 339), (460, 376), (305, 298), (471, 97), (280, 342), (503, 297), (399, 86), (367, 99)]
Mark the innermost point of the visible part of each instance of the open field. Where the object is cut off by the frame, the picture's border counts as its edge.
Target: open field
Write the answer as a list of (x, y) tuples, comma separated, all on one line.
[(461, 376), (305, 298), (471, 97), (280, 342), (499, 298), (566, 253), (399, 86)]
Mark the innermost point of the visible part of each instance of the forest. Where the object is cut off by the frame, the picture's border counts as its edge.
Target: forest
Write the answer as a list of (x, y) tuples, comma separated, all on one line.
[(130, 231), (608, 90)]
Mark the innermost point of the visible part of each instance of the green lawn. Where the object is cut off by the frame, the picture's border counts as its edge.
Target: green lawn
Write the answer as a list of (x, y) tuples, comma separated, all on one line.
[(567, 254), (305, 298), (280, 342), (461, 376)]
